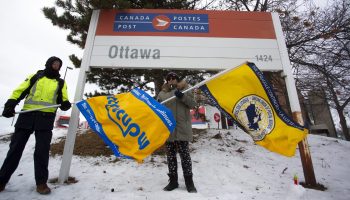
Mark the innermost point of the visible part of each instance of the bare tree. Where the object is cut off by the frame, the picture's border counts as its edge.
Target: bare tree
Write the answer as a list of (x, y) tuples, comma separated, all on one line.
[(319, 46), (317, 40)]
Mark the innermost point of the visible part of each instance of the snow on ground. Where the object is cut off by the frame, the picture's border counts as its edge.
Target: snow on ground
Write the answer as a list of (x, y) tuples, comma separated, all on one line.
[(226, 165)]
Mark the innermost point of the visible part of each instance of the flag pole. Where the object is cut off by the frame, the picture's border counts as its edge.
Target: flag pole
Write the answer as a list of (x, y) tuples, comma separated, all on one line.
[(203, 82), (37, 109), (293, 98)]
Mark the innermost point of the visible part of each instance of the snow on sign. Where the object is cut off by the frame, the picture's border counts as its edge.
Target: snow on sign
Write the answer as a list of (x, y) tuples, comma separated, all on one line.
[(183, 39)]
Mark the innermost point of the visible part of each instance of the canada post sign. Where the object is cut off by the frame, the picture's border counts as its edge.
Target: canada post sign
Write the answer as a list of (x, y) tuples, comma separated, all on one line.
[(182, 39), (156, 22)]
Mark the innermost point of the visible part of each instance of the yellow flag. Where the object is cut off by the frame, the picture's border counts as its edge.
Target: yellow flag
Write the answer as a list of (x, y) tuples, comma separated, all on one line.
[(133, 124), (245, 96)]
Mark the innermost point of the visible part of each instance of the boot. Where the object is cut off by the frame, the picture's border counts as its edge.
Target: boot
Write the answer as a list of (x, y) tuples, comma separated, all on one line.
[(43, 189), (2, 187), (172, 183), (189, 184)]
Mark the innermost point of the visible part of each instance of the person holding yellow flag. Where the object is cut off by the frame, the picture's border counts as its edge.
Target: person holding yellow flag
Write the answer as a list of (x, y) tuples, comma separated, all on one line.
[(180, 138)]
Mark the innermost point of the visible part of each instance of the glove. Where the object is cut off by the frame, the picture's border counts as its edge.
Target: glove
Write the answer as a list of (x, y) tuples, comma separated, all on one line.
[(9, 108), (65, 105), (178, 94)]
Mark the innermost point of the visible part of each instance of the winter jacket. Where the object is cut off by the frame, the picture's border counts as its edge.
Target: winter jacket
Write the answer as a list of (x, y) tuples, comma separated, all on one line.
[(43, 93), (181, 111)]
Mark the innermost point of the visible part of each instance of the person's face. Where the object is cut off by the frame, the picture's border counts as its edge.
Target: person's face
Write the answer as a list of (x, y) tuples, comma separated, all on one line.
[(172, 81), (56, 65)]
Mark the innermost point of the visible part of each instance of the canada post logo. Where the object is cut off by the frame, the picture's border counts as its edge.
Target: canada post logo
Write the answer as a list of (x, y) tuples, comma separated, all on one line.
[(154, 22)]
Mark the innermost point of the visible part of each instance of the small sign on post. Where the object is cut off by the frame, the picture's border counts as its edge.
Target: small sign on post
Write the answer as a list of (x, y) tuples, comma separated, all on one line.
[(217, 118)]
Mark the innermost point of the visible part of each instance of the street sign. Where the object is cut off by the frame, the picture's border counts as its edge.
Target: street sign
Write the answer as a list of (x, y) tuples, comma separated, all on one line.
[(217, 117)]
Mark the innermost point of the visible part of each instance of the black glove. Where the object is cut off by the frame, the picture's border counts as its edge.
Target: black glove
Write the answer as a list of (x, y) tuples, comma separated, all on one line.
[(9, 108), (178, 94), (65, 105)]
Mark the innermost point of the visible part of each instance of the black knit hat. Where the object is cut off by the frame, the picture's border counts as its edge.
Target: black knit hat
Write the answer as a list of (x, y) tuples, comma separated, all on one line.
[(51, 60), (172, 75)]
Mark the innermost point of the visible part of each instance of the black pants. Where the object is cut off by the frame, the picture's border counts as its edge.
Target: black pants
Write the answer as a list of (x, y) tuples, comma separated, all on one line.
[(186, 163), (41, 154)]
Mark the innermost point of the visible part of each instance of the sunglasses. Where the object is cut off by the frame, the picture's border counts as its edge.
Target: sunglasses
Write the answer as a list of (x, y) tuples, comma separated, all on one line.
[(171, 78)]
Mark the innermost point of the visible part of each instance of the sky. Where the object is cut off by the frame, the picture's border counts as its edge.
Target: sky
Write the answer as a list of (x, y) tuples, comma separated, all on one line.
[(27, 40), (220, 171)]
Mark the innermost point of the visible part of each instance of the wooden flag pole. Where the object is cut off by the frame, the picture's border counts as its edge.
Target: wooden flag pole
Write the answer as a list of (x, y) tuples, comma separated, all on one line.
[(305, 155)]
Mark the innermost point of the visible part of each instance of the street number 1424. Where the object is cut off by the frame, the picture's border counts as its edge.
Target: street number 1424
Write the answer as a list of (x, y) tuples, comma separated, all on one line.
[(263, 58)]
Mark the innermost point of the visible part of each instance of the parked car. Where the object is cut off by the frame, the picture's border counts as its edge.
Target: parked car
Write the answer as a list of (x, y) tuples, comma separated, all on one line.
[(62, 121)]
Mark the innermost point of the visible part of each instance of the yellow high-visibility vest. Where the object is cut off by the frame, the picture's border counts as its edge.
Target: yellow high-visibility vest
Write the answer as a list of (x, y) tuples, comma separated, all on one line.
[(42, 94)]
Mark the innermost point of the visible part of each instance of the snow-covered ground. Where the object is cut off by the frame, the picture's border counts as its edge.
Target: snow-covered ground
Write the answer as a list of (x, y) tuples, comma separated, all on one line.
[(226, 165)]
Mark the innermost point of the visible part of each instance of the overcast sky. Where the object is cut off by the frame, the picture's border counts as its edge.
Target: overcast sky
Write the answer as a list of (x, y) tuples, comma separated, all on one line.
[(27, 40)]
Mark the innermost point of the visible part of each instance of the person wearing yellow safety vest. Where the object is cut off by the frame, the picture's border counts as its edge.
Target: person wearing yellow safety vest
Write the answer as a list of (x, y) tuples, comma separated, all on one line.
[(40, 90)]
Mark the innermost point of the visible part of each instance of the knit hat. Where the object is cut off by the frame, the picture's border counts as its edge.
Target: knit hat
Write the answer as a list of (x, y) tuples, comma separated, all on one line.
[(49, 71), (172, 75), (50, 61)]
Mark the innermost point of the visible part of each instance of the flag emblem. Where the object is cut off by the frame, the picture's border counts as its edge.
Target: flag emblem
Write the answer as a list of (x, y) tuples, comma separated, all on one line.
[(255, 115)]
